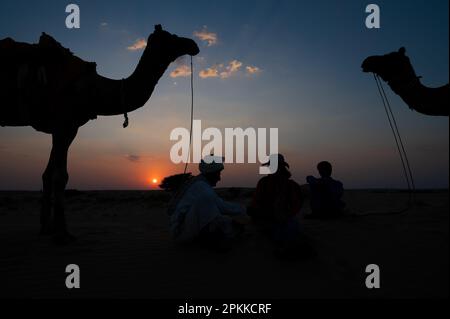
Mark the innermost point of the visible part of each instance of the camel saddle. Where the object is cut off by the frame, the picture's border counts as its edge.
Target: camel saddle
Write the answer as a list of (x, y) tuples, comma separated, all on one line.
[(38, 78), (46, 64)]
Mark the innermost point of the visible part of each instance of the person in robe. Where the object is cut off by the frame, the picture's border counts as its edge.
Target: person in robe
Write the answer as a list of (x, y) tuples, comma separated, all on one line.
[(197, 213)]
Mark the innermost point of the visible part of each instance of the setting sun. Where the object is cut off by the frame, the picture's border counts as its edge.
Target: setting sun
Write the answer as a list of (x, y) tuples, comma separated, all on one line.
[(154, 181)]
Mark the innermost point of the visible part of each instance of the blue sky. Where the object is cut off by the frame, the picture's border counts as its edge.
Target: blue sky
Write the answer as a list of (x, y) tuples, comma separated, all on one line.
[(309, 85)]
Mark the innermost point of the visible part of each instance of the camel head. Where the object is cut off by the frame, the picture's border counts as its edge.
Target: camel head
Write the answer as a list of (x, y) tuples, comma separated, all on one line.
[(390, 66), (171, 45)]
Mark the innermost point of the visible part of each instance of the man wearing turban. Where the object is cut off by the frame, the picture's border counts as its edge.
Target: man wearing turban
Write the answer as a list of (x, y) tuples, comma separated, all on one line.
[(198, 213)]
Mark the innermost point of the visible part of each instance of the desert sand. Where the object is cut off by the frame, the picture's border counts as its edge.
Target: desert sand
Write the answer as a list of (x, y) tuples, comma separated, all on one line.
[(124, 250)]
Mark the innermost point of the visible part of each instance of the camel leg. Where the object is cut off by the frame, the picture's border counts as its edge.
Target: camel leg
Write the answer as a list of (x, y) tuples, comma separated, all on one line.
[(60, 177), (46, 201)]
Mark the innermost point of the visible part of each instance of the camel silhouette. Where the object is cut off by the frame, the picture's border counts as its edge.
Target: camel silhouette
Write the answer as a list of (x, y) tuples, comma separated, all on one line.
[(395, 68), (48, 88)]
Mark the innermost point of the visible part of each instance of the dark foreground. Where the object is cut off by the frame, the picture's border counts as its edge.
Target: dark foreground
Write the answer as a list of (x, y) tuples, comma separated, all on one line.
[(124, 250)]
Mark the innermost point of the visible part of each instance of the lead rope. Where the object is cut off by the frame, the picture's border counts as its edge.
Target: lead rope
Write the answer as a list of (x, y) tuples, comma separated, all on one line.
[(192, 117), (400, 148), (396, 133), (410, 174)]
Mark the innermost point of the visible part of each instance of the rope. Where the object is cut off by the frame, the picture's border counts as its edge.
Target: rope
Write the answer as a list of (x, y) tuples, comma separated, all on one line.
[(192, 117), (413, 186), (400, 148), (394, 129)]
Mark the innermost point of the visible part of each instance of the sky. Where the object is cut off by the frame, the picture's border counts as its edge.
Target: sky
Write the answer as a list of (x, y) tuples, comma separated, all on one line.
[(291, 65)]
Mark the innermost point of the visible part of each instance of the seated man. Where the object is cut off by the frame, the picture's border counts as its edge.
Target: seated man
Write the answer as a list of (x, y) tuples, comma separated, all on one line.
[(198, 213), (275, 206), (326, 193)]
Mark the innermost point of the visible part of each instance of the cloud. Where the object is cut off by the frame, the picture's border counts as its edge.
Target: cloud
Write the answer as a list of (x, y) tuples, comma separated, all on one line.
[(133, 158), (212, 72), (138, 45), (221, 71), (231, 69), (252, 70), (204, 35), (181, 71), (225, 71), (104, 27)]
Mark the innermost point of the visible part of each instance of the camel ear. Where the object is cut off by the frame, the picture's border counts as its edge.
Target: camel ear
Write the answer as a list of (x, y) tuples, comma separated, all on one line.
[(158, 27), (402, 50)]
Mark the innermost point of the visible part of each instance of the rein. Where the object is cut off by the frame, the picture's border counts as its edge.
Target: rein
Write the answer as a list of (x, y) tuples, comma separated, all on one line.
[(192, 117), (400, 148), (125, 123)]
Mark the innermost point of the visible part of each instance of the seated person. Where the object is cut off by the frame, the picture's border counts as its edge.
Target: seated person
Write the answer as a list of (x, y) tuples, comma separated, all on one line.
[(275, 206), (326, 193), (198, 213)]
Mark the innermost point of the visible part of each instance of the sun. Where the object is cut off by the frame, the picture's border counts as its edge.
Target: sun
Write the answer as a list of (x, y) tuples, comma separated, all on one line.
[(154, 181)]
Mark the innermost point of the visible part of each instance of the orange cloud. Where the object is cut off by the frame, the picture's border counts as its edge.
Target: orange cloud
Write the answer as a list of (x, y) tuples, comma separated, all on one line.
[(211, 72), (225, 72), (231, 69), (138, 45), (220, 70), (209, 37), (252, 69), (181, 71)]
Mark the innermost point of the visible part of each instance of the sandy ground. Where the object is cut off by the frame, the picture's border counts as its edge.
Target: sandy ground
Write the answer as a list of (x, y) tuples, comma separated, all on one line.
[(124, 250)]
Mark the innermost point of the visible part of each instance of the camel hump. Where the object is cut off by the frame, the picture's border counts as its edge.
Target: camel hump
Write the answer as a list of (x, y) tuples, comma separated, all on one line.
[(39, 72), (6, 43), (47, 53), (48, 42), (12, 49), (48, 64), (62, 55)]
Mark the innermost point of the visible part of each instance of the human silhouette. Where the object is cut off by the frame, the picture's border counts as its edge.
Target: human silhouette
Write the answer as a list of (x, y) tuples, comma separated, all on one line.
[(197, 213), (326, 193), (275, 206)]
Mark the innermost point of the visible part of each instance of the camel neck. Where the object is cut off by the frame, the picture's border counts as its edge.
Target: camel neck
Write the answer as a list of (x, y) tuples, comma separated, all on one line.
[(139, 86), (408, 90), (116, 97), (404, 85), (425, 100)]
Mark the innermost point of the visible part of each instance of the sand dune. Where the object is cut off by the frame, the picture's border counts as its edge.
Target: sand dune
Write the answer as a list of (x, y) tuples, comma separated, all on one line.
[(124, 250)]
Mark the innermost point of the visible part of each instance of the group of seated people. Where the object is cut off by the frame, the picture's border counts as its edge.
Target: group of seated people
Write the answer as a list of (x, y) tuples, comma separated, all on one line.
[(197, 213)]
